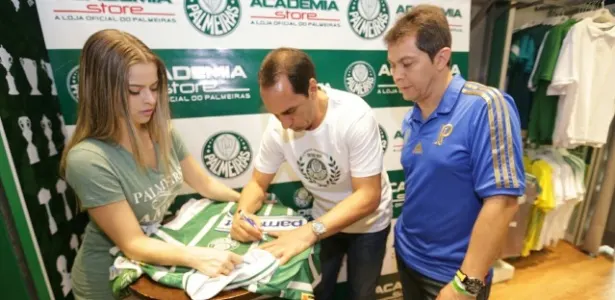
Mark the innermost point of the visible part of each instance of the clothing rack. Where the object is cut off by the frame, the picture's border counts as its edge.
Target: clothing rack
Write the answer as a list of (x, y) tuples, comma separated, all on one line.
[(569, 10), (552, 13), (559, 11)]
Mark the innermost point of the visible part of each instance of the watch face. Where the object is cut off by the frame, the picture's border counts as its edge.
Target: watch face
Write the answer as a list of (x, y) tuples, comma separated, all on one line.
[(473, 286), (318, 227)]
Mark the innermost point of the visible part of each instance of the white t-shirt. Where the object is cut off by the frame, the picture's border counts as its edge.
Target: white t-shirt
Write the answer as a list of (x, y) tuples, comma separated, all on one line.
[(583, 75), (346, 144)]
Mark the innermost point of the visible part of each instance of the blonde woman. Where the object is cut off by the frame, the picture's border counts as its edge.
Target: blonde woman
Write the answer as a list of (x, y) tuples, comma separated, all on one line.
[(126, 164)]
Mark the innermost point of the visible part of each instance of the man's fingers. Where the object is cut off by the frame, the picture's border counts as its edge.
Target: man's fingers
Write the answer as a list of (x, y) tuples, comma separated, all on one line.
[(241, 235), (256, 219), (269, 245), (276, 234), (285, 257), (277, 252), (251, 231), (272, 248), (248, 233)]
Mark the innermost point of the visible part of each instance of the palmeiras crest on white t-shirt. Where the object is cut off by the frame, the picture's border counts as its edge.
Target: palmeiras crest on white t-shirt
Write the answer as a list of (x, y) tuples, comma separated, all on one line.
[(319, 168), (303, 198)]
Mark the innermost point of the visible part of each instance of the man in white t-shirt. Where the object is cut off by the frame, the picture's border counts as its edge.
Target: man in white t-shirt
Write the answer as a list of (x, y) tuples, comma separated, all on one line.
[(330, 139)]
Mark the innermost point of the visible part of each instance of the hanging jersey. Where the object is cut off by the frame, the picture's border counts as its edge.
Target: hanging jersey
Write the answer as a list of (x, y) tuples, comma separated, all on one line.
[(582, 77), (544, 107), (524, 48), (207, 223)]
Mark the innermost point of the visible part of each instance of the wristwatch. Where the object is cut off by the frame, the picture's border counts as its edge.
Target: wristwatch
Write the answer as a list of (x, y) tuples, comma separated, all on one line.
[(318, 228), (472, 285)]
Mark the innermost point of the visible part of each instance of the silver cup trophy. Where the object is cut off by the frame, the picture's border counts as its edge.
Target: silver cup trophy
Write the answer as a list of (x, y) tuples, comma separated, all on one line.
[(7, 61), (30, 68)]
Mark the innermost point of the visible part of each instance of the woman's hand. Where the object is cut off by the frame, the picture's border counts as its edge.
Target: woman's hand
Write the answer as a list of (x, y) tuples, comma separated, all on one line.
[(212, 262)]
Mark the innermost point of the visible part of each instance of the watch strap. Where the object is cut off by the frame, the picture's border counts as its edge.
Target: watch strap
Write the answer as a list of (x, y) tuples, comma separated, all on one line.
[(461, 275), (461, 279), (459, 288)]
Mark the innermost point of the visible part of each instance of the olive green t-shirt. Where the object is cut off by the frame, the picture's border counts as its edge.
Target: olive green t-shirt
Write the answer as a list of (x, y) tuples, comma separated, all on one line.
[(101, 173)]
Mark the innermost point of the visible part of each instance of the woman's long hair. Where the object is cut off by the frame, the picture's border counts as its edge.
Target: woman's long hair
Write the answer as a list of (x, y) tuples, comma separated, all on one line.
[(103, 95)]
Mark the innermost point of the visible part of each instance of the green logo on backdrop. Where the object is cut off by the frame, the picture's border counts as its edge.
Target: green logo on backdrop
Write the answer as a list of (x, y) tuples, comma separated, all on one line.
[(325, 5), (213, 17), (368, 18), (359, 78), (227, 154), (384, 139), (319, 168), (72, 83), (303, 198)]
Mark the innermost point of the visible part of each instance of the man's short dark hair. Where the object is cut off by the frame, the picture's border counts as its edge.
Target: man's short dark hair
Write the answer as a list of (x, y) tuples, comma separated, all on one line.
[(430, 26), (291, 62)]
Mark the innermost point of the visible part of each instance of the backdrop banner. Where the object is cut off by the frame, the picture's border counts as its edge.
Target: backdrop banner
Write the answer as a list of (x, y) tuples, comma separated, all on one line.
[(212, 50)]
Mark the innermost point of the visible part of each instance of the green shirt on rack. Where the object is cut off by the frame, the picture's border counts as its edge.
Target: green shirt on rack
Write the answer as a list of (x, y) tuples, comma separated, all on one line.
[(544, 108)]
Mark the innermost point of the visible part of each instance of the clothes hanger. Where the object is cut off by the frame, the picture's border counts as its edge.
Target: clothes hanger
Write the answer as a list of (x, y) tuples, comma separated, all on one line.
[(557, 155), (603, 15), (586, 12), (558, 18), (563, 18), (564, 151)]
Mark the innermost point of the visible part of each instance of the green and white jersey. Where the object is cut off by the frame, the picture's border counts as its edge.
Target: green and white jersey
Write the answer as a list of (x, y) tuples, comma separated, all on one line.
[(207, 223)]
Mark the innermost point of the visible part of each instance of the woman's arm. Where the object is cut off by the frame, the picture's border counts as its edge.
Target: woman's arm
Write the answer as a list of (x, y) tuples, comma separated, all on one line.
[(205, 185), (98, 187), (119, 223)]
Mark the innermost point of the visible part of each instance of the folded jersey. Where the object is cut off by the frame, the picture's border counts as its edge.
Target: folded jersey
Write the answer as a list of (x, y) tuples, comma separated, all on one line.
[(206, 223)]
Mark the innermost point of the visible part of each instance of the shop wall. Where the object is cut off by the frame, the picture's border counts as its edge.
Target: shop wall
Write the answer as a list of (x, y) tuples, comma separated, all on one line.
[(32, 134), (212, 50)]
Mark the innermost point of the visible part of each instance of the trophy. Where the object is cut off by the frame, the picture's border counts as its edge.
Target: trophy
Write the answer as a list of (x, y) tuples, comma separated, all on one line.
[(62, 266), (44, 196), (7, 61), (63, 127), (47, 68), (16, 4), (74, 242), (29, 66), (61, 189), (26, 131), (46, 124)]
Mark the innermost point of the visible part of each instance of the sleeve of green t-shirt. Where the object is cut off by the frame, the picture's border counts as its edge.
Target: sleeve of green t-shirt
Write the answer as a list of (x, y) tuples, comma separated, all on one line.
[(533, 82), (178, 145), (550, 54), (548, 57), (93, 179)]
